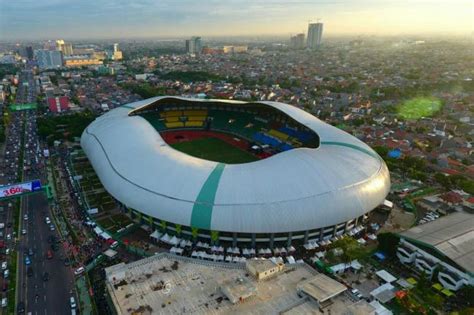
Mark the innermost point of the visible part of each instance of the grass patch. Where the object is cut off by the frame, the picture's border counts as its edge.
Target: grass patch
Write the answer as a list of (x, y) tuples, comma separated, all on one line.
[(419, 107), (214, 149)]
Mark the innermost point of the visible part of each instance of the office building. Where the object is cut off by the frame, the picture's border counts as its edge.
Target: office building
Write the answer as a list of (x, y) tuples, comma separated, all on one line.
[(48, 59), (27, 52), (64, 47), (117, 54), (315, 35), (297, 41), (194, 45)]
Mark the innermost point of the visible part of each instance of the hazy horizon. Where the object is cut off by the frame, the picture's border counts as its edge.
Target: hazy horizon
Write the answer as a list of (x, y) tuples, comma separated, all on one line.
[(26, 20)]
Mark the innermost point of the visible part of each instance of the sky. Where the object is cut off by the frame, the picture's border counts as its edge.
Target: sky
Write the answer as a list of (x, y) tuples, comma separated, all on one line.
[(91, 19)]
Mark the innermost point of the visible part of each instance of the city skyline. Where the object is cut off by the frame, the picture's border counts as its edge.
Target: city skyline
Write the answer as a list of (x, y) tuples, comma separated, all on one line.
[(22, 20)]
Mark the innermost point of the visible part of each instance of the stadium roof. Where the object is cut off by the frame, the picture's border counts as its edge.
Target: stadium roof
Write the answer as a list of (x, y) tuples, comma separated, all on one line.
[(295, 190), (452, 236)]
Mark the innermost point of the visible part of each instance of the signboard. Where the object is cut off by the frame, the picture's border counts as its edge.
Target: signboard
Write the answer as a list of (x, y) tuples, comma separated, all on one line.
[(25, 106), (20, 189)]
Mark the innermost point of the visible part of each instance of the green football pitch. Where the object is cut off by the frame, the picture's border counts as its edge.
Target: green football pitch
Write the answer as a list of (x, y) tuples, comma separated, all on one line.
[(214, 149)]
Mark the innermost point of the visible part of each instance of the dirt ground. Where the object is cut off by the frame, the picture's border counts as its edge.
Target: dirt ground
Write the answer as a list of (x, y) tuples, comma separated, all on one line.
[(398, 220)]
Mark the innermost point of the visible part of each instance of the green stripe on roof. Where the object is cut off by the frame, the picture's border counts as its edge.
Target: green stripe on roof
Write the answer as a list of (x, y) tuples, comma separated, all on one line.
[(202, 211), (352, 146)]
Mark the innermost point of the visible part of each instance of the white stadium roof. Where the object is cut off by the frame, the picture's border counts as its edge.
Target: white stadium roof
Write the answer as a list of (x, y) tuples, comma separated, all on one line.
[(296, 190)]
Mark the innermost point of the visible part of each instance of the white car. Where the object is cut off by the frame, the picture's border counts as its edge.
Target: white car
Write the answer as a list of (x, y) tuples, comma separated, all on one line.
[(72, 301), (79, 271), (9, 236), (51, 227), (25, 217), (4, 302), (5, 274), (47, 220), (4, 265), (356, 293), (23, 232)]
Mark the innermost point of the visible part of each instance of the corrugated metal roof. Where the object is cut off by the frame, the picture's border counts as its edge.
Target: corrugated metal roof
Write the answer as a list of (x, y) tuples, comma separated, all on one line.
[(452, 235)]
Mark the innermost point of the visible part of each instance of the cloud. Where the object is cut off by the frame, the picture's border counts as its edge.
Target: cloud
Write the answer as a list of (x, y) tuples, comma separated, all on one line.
[(108, 18)]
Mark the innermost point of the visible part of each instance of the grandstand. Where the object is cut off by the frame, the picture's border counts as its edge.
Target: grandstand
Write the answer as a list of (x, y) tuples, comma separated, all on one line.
[(265, 131), (248, 173)]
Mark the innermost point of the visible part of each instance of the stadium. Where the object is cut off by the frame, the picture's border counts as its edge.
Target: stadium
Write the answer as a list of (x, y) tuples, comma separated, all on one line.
[(248, 173)]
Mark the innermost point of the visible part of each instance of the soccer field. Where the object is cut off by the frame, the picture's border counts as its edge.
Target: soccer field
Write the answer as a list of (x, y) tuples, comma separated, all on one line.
[(214, 149)]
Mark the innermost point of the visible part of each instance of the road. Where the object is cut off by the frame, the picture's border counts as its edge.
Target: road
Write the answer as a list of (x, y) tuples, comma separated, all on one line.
[(37, 295)]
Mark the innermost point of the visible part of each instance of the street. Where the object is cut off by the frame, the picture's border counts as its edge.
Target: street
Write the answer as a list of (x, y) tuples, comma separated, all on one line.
[(44, 284)]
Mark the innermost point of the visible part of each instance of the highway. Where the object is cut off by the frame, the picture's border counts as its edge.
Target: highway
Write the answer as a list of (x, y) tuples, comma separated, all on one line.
[(45, 285)]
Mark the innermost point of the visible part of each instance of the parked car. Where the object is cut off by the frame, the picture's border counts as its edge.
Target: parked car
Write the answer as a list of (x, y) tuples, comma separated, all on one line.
[(72, 301), (49, 254), (4, 265), (27, 260), (79, 271)]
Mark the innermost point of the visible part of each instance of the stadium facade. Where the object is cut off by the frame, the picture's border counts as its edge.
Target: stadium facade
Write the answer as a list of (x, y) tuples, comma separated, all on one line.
[(316, 182)]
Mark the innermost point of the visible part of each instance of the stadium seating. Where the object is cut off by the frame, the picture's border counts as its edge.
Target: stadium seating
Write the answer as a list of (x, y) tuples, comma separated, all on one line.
[(265, 139), (195, 113), (171, 113), (172, 119), (194, 124), (155, 121), (277, 134), (239, 123), (302, 136), (285, 147), (174, 124)]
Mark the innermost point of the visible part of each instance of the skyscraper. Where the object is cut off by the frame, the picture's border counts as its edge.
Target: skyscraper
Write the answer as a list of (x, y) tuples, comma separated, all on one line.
[(48, 59), (64, 47), (117, 54), (194, 45), (315, 35), (297, 41)]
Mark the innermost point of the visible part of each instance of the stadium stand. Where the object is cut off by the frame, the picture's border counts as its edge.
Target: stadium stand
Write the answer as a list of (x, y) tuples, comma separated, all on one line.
[(155, 121), (171, 113), (249, 125), (172, 119), (302, 136), (174, 124), (194, 124)]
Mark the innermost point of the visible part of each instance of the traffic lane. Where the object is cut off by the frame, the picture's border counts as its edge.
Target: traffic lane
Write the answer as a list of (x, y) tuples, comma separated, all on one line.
[(52, 295)]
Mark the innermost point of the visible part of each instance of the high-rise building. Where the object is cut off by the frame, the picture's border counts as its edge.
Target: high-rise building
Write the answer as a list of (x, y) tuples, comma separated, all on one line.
[(26, 52), (194, 45), (48, 59), (117, 54), (64, 47), (49, 45), (297, 41), (315, 35)]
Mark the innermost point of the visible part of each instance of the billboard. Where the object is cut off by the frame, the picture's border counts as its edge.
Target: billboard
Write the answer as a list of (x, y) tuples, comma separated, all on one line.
[(26, 106), (19, 189)]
